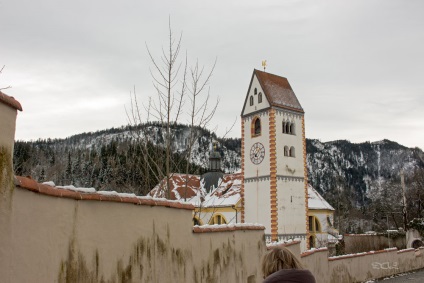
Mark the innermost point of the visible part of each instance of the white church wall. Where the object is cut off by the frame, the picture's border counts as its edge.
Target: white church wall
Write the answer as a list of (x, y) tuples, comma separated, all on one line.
[(262, 169), (292, 210), (256, 105), (287, 165)]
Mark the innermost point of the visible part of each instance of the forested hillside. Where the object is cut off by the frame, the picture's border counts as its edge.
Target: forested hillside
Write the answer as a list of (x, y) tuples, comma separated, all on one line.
[(113, 159), (361, 181)]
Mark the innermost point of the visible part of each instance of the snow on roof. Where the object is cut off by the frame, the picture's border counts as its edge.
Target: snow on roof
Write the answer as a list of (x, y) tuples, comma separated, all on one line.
[(316, 201), (192, 187), (183, 187), (226, 194)]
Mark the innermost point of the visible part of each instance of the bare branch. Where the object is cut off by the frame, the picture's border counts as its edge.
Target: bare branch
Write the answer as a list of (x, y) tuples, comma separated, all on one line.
[(1, 70)]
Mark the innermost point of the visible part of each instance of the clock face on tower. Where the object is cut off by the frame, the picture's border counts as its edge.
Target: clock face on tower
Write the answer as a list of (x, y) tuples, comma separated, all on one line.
[(257, 153)]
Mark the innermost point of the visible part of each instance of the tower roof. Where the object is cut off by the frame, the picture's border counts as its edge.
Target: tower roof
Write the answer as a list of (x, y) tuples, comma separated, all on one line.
[(278, 91)]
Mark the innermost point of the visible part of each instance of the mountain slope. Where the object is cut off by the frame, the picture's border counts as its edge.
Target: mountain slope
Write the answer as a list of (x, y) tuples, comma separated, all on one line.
[(360, 180)]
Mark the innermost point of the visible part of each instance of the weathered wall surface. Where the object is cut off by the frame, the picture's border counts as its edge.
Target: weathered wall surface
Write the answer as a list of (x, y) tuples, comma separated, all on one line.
[(58, 239), (49, 237), (8, 124), (363, 266)]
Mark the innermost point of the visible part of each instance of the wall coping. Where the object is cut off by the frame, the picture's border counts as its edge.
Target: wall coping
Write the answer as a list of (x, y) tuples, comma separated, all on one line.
[(406, 250), (30, 184), (283, 244), (362, 254), (226, 227), (312, 251), (10, 101)]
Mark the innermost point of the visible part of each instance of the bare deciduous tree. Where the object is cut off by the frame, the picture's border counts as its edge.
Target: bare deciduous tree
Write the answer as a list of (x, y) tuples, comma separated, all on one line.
[(175, 84)]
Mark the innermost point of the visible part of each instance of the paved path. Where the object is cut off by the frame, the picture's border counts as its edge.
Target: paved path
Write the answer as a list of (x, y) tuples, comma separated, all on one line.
[(412, 277)]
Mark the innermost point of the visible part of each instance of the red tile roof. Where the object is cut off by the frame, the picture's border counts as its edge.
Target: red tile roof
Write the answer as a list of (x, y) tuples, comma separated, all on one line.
[(278, 91), (31, 185), (227, 193), (10, 101), (183, 186)]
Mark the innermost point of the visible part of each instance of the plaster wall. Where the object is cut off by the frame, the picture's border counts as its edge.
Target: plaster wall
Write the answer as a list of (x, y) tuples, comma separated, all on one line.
[(361, 267), (263, 168), (7, 138), (257, 205), (56, 239), (7, 126), (251, 93), (256, 176), (291, 208), (286, 165)]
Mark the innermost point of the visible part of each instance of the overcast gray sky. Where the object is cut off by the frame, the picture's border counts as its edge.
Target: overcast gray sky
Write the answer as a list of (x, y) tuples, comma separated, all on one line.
[(357, 67)]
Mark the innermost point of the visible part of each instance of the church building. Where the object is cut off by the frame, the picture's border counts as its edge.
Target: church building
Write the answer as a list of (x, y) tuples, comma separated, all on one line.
[(274, 186)]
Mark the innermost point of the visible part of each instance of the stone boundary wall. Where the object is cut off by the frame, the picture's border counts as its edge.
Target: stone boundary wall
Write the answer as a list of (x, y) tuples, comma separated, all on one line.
[(356, 243), (361, 267), (51, 234)]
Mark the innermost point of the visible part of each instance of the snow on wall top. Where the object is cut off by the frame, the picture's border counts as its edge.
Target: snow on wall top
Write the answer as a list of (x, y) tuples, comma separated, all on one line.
[(71, 192)]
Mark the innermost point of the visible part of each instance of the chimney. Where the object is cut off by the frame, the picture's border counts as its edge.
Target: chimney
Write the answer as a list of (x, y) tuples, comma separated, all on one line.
[(8, 111)]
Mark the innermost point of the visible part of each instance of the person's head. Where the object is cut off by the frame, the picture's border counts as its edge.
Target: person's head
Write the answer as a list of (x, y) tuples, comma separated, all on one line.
[(279, 258)]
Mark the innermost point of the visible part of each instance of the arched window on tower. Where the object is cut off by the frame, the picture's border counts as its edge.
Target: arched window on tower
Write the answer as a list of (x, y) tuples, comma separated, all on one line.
[(260, 97), (256, 127), (292, 129), (286, 151), (292, 153), (256, 90), (251, 100), (287, 126)]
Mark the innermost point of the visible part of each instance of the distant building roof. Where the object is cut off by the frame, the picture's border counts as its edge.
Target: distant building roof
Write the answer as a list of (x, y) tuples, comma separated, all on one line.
[(10, 101), (316, 201), (278, 91), (226, 194), (183, 187)]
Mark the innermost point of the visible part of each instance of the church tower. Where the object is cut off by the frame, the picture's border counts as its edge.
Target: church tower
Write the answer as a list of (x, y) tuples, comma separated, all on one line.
[(274, 185)]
